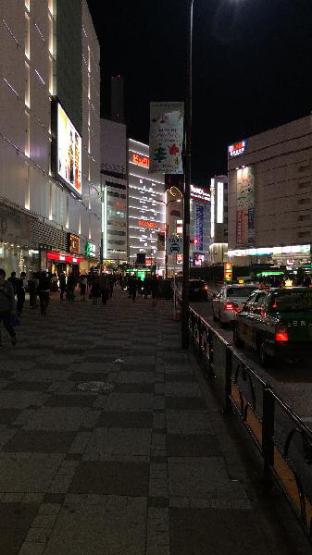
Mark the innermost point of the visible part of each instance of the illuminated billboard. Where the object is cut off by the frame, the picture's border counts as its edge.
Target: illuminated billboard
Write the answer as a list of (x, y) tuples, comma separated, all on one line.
[(68, 151)]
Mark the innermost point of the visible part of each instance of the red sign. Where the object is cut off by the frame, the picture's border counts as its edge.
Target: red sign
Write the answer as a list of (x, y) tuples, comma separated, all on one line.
[(139, 160), (148, 224), (61, 257), (237, 149)]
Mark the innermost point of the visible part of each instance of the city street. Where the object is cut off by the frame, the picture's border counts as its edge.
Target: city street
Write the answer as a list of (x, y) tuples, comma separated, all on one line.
[(293, 383), (112, 443)]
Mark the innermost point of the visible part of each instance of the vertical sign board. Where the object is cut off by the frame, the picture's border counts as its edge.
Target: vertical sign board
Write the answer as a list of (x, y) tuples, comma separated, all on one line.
[(245, 215), (199, 227), (166, 137)]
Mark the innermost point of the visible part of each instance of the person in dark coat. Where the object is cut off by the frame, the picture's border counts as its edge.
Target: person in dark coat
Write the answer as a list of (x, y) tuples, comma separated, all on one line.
[(155, 289), (133, 287), (44, 292), (62, 285), (7, 307)]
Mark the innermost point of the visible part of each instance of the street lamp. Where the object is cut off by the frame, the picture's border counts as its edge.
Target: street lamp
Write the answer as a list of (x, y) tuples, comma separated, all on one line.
[(188, 175)]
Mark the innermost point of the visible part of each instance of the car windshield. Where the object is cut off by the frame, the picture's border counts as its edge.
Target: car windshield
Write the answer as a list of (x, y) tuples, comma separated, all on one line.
[(292, 301), (240, 292)]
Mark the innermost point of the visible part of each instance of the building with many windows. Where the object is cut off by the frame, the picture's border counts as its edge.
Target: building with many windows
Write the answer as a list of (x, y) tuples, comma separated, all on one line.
[(114, 181), (270, 185), (49, 134), (146, 209)]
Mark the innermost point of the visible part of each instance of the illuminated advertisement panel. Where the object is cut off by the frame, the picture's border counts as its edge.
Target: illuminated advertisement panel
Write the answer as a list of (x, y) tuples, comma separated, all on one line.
[(68, 151), (245, 230)]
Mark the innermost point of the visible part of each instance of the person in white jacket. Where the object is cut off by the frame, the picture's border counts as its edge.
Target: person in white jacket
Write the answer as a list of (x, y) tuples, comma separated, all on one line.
[(7, 307)]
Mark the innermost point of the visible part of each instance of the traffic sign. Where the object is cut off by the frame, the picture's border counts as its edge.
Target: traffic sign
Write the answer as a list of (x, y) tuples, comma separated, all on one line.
[(174, 244)]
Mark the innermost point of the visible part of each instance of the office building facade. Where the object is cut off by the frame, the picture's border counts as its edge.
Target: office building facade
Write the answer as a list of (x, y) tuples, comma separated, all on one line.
[(49, 134), (146, 209), (270, 186)]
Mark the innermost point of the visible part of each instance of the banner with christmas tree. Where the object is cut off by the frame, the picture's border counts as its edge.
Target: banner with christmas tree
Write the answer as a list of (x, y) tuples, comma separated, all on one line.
[(166, 137)]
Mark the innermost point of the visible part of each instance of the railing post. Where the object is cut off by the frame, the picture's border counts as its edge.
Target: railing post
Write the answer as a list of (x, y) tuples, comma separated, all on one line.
[(228, 381), (268, 435), (210, 353)]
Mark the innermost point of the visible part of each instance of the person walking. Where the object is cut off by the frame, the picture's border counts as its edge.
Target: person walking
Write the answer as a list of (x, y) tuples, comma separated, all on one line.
[(83, 286), (33, 283), (71, 286), (62, 285), (7, 307), (104, 287), (133, 286), (155, 289), (13, 280), (95, 291), (44, 292), (20, 293)]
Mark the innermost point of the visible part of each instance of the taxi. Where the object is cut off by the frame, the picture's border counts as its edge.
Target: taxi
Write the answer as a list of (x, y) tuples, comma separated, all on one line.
[(277, 323)]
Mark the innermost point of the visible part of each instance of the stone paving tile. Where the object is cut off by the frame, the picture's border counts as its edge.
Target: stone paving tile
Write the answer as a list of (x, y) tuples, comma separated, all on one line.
[(118, 444), (110, 527), (126, 402), (158, 539), (65, 419), (28, 386), (195, 445), (15, 520), (27, 472), (131, 376), (188, 422), (184, 389), (185, 403), (39, 442), (215, 530), (181, 377), (72, 400), (125, 419), (202, 477), (134, 388), (20, 399), (111, 478), (8, 416)]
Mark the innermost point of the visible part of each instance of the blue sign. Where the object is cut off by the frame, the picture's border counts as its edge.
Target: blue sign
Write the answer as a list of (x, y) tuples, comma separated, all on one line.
[(199, 228)]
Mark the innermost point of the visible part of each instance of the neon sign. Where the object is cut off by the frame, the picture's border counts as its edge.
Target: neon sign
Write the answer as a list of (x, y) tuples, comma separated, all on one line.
[(198, 193), (237, 149), (60, 257), (139, 160), (148, 224)]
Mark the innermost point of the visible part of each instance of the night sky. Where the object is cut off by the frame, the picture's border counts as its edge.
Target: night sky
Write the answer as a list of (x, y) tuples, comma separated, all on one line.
[(252, 66)]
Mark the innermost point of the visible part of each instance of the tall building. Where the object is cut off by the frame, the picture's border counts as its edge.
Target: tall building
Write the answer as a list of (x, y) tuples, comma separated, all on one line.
[(49, 134), (146, 209), (114, 181), (270, 186), (219, 219), (200, 225)]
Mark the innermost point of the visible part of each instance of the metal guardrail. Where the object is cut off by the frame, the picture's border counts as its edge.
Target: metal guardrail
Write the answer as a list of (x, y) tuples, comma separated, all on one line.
[(280, 435)]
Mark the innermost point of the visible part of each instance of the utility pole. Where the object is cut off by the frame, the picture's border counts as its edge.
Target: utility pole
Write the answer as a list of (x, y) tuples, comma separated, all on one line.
[(188, 177)]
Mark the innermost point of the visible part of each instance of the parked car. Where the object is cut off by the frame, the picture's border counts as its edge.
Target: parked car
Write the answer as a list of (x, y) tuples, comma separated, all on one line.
[(277, 324), (230, 301)]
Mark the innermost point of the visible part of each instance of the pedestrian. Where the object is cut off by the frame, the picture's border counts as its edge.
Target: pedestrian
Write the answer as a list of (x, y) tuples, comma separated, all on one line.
[(111, 284), (62, 285), (44, 292), (7, 307), (54, 283), (147, 286), (33, 283), (133, 286), (104, 287), (83, 286), (71, 286), (95, 291), (13, 280), (155, 289), (20, 293)]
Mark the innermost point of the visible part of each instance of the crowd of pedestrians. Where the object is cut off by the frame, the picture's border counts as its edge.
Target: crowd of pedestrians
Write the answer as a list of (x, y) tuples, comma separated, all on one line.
[(98, 287)]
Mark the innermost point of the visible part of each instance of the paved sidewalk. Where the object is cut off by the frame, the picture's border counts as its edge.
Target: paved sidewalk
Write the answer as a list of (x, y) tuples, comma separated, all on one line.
[(108, 445)]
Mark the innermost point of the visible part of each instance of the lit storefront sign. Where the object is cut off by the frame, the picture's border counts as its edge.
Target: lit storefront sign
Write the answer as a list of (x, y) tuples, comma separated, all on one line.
[(228, 271), (220, 202), (73, 243), (198, 193), (61, 257), (237, 149), (68, 151), (90, 250), (139, 160), (148, 224), (267, 251)]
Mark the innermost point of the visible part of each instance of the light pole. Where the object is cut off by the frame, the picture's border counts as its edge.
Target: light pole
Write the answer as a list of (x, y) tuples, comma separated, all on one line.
[(187, 180)]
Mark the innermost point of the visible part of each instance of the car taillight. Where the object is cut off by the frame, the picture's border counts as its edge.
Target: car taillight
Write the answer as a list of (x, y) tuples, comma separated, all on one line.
[(230, 307), (281, 335)]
